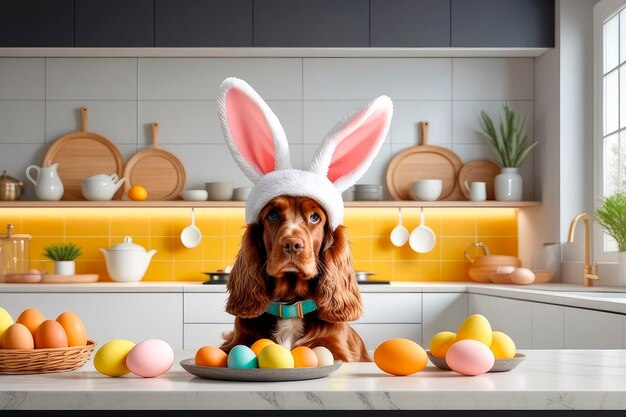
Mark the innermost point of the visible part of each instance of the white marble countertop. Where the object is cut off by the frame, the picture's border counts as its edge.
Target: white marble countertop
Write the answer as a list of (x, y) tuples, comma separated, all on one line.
[(547, 380), (560, 294)]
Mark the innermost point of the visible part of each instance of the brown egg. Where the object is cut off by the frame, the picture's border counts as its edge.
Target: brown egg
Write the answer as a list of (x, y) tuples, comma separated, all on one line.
[(50, 334), (31, 318), (74, 328), (17, 336)]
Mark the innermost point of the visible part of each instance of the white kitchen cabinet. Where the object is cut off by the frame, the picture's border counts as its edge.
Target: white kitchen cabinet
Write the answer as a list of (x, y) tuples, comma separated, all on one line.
[(513, 317), (589, 329), (374, 334), (391, 308), (107, 316), (206, 308), (547, 325), (442, 312), (198, 335), (386, 315)]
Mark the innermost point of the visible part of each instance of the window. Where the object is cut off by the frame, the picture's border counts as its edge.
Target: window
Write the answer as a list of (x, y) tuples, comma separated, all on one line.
[(610, 105)]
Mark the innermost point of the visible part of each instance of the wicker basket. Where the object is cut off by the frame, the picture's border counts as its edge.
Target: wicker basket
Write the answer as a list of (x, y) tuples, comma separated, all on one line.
[(44, 361)]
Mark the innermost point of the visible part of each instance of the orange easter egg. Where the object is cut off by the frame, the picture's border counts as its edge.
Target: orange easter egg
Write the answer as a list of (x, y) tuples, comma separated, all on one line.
[(304, 357), (31, 318), (211, 356), (50, 334), (258, 346)]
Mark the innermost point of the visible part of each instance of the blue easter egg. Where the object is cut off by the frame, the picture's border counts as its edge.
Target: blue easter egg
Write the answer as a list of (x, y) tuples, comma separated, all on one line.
[(242, 357)]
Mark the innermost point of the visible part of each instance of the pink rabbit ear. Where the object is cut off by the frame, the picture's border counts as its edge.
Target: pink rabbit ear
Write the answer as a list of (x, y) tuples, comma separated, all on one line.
[(253, 133), (350, 147)]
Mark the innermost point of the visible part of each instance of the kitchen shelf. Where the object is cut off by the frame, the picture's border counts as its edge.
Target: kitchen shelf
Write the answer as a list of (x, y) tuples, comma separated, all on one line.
[(241, 204)]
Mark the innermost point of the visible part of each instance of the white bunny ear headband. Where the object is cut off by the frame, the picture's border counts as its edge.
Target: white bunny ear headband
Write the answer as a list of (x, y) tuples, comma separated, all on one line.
[(258, 144)]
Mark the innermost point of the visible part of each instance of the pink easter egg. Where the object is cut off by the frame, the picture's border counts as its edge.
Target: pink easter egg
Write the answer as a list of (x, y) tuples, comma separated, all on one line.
[(470, 357), (150, 358)]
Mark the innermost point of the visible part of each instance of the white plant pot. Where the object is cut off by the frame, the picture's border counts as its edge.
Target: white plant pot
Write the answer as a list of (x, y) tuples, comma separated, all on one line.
[(65, 268), (508, 185), (621, 268)]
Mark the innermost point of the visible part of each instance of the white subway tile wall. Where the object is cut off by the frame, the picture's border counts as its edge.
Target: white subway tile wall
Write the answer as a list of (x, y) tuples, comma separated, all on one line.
[(40, 98)]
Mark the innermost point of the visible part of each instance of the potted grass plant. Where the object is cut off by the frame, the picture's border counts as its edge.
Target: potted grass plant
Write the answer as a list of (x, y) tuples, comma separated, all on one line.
[(611, 215), (511, 146), (64, 256)]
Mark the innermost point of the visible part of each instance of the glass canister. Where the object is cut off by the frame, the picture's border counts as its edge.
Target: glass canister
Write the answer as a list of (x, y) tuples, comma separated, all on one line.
[(14, 252)]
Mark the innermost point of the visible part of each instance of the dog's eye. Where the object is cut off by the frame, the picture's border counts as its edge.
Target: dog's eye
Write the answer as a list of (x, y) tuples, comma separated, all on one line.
[(314, 218), (272, 215)]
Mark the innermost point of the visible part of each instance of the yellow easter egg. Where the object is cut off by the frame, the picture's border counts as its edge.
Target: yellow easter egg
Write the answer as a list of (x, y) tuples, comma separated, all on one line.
[(275, 356), (258, 346), (441, 342), (6, 321), (502, 346), (110, 359), (475, 327)]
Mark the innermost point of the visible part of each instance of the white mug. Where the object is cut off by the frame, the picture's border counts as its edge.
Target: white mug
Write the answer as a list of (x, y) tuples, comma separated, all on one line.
[(478, 190)]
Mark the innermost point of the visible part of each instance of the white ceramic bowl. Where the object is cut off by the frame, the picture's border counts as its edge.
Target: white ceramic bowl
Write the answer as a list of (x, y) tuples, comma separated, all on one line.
[(195, 195), (98, 190), (426, 190), (241, 193), (219, 191)]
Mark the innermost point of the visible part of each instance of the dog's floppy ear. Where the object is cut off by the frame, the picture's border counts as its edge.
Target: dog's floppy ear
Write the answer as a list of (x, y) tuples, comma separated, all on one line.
[(350, 147), (253, 133), (247, 290), (337, 295)]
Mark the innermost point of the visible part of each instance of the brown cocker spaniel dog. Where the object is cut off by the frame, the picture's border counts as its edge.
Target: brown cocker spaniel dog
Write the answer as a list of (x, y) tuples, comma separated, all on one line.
[(291, 254)]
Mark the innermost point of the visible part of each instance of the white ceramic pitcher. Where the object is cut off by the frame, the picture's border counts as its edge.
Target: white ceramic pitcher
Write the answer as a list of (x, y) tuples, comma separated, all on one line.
[(48, 185)]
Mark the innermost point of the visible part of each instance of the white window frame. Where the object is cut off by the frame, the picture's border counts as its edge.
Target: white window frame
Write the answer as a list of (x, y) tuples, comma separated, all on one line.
[(601, 12)]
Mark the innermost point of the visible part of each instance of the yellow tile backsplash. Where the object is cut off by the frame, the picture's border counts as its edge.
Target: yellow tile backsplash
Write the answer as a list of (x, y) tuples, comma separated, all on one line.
[(222, 228)]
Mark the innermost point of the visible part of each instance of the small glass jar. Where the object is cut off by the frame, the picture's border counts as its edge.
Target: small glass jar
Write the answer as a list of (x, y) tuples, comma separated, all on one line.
[(14, 253)]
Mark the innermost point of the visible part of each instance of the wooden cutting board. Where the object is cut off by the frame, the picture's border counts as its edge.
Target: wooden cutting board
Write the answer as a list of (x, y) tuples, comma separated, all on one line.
[(481, 170), (82, 154), (422, 162), (74, 279), (159, 171)]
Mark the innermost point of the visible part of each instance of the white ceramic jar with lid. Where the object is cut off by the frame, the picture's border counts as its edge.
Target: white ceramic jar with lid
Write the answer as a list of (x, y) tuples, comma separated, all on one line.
[(127, 261)]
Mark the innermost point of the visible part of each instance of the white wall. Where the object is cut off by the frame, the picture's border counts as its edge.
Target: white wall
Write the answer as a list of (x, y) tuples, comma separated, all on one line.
[(40, 97)]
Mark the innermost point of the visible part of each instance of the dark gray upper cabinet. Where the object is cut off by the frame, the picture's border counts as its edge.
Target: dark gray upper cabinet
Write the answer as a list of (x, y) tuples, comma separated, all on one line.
[(37, 23), (311, 23), (498, 23), (114, 23), (410, 23), (197, 23)]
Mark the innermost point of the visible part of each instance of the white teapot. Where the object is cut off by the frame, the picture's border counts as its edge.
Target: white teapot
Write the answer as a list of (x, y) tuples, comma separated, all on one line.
[(101, 187), (127, 261)]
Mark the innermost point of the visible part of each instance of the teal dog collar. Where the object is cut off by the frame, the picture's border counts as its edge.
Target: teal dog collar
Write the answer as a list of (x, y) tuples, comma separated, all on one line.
[(288, 311)]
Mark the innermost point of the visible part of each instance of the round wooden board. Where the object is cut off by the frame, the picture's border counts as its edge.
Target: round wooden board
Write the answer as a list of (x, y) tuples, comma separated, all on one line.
[(75, 279), (159, 171), (82, 154), (424, 162), (479, 170)]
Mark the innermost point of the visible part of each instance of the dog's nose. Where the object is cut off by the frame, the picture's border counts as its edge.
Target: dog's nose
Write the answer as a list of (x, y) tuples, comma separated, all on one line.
[(292, 244)]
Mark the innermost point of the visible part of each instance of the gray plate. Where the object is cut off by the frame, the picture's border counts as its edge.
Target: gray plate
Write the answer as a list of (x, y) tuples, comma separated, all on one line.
[(501, 365), (258, 374)]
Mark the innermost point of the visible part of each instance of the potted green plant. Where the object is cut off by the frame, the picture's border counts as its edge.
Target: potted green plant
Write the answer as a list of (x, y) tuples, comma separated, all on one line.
[(611, 215), (511, 146), (64, 256)]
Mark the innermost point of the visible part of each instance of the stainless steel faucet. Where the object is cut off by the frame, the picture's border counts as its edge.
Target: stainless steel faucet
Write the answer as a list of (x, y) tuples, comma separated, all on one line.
[(591, 268)]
